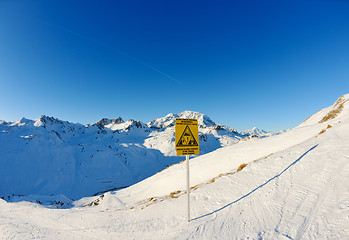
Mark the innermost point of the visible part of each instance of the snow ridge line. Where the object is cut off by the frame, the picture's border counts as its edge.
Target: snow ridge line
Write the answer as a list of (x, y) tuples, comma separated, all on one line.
[(262, 185)]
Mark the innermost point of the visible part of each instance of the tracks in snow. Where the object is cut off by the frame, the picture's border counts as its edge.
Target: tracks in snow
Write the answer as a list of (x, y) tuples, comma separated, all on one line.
[(293, 204)]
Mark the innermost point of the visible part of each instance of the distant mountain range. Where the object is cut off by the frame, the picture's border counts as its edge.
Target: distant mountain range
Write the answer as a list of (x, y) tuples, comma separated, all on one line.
[(50, 156)]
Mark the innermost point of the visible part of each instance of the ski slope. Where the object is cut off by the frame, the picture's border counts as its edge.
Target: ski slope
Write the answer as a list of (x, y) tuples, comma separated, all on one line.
[(224, 160), (294, 186)]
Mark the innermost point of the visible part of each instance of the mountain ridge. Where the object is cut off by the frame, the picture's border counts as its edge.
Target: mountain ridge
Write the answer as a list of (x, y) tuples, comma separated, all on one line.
[(227, 160), (110, 153), (292, 185), (158, 123)]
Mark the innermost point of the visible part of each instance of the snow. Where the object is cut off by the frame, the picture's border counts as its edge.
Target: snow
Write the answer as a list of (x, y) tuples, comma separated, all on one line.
[(79, 161), (223, 160), (124, 125), (22, 122), (293, 187), (256, 131), (169, 120)]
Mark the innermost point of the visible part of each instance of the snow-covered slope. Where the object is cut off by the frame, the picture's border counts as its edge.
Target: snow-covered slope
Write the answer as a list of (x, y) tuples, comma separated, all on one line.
[(227, 159), (71, 159), (77, 160), (292, 186)]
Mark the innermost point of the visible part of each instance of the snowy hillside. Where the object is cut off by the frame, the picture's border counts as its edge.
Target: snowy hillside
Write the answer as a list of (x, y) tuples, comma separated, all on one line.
[(224, 160), (289, 186), (77, 160)]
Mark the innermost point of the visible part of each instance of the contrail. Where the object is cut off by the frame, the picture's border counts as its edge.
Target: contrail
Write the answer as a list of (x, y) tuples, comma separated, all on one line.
[(113, 49)]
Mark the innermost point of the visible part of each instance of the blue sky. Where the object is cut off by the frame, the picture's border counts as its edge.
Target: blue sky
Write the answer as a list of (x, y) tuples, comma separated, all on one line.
[(268, 64)]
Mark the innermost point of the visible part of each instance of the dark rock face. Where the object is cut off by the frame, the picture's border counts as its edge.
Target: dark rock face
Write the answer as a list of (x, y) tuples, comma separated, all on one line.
[(105, 121), (117, 120), (135, 124), (217, 127)]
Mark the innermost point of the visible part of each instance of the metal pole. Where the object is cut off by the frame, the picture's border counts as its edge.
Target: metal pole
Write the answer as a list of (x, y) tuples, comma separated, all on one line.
[(188, 187)]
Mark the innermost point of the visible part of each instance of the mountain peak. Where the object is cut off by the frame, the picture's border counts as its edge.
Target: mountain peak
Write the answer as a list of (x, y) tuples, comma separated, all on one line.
[(22, 121), (332, 113), (134, 124), (43, 120), (106, 121), (3, 122), (256, 132), (169, 119)]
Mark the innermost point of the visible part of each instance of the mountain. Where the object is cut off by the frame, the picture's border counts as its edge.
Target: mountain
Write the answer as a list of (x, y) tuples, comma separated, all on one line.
[(81, 160), (293, 185), (288, 186), (169, 120), (231, 157), (256, 132), (108, 122), (211, 135)]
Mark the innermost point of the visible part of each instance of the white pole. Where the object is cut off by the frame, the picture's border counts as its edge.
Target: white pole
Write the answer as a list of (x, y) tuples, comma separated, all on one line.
[(187, 158)]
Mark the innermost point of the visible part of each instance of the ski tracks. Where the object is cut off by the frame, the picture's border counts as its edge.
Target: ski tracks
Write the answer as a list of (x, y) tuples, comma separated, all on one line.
[(308, 195), (302, 203)]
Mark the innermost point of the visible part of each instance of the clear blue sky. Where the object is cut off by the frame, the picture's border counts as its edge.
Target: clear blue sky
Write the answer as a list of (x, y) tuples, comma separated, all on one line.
[(244, 63)]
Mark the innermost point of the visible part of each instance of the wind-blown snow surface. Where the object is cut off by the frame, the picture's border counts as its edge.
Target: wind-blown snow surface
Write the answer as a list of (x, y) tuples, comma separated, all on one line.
[(295, 186)]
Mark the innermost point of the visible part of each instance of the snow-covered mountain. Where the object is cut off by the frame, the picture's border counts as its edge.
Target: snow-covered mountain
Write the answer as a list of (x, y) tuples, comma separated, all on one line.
[(81, 160), (256, 132), (169, 120), (293, 185), (211, 135), (260, 133)]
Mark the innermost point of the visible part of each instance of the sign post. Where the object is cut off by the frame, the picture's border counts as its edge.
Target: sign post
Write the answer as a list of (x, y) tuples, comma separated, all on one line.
[(187, 143), (188, 187)]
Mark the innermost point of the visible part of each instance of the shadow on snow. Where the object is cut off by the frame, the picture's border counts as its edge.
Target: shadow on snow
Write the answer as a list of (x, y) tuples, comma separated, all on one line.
[(246, 195)]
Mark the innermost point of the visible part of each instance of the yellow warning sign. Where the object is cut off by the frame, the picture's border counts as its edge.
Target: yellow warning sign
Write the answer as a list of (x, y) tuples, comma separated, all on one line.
[(187, 136)]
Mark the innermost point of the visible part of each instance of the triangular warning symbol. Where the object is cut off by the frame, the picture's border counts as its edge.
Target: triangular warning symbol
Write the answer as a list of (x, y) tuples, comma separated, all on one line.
[(187, 139)]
